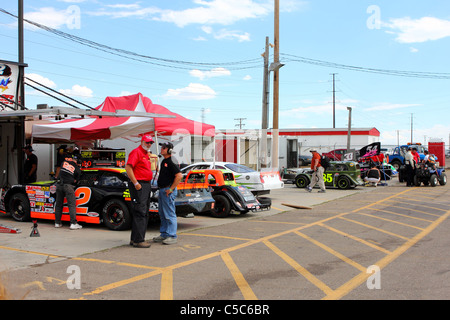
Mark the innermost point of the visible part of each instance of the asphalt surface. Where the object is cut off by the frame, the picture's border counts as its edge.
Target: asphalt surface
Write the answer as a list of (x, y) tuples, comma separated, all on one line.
[(389, 242)]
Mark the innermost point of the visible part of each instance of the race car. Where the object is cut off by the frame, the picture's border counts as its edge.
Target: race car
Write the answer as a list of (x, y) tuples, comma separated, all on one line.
[(259, 183), (102, 196), (340, 174), (229, 196)]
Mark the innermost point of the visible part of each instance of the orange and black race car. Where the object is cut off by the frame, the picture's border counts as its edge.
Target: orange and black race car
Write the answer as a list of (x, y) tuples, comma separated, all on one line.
[(102, 196)]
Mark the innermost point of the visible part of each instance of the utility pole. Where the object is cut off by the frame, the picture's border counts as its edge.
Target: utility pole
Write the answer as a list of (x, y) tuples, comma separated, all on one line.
[(349, 134), (240, 124), (334, 101), (265, 108), (276, 59)]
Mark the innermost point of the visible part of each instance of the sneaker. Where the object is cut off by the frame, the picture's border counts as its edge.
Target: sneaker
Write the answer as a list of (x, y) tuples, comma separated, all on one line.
[(321, 191), (308, 189), (58, 225), (159, 239), (170, 240), (142, 244), (75, 226)]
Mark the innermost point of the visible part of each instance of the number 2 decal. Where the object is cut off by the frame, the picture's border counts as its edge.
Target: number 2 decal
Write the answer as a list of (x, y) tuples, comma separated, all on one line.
[(83, 196)]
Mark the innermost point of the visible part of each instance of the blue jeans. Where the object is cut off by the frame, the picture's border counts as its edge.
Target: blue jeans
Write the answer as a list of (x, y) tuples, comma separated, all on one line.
[(167, 214)]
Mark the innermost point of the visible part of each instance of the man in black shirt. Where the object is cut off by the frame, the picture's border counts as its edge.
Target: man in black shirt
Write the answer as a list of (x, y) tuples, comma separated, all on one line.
[(169, 177), (69, 174), (30, 165)]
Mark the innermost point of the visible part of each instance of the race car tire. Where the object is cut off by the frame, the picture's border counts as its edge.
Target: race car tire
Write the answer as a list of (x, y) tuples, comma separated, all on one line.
[(116, 215), (19, 207), (302, 181), (222, 207), (343, 183), (443, 179)]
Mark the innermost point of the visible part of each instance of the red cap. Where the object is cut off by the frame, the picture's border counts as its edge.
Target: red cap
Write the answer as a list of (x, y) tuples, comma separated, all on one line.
[(147, 138)]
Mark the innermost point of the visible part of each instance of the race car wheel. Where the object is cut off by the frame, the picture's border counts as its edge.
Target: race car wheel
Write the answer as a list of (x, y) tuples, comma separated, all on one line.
[(222, 207), (343, 183), (443, 179), (19, 207), (116, 215), (302, 181)]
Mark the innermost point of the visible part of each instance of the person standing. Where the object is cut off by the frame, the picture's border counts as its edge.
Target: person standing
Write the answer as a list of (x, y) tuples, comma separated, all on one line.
[(317, 176), (30, 165), (69, 174), (138, 168), (168, 180), (410, 165)]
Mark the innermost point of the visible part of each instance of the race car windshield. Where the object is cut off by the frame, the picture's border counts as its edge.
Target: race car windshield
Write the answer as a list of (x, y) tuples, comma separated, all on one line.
[(239, 168)]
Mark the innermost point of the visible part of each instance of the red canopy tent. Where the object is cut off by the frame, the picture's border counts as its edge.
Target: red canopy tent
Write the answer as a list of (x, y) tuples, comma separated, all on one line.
[(100, 128)]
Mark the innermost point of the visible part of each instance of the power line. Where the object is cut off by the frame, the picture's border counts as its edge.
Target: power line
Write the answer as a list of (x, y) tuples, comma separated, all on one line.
[(236, 65), (413, 74)]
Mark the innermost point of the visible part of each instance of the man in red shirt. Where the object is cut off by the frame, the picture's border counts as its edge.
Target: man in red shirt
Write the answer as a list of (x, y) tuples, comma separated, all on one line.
[(139, 172), (317, 176)]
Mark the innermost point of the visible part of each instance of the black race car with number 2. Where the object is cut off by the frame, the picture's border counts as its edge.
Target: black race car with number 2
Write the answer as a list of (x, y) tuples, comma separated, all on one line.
[(102, 196)]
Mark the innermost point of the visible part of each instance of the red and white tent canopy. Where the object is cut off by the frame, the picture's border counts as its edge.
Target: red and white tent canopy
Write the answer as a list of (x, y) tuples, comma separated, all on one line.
[(96, 128)]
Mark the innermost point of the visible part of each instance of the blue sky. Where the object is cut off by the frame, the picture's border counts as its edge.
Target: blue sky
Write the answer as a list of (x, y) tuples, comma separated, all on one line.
[(229, 36)]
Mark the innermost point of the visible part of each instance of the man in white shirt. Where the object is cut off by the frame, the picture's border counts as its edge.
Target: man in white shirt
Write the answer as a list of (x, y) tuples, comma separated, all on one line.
[(410, 166)]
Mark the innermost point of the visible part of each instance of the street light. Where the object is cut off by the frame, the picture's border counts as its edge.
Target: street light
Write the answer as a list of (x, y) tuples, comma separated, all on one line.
[(349, 128)]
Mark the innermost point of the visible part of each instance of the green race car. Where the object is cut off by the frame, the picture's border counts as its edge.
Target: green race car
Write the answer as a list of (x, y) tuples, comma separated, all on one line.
[(340, 174)]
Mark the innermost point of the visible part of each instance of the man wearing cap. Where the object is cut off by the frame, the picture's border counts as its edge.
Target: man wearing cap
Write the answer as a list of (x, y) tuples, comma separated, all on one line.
[(317, 175), (30, 165), (168, 180), (139, 172)]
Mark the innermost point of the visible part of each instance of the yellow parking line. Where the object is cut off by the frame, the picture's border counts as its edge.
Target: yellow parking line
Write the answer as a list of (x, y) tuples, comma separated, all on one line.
[(372, 227), (272, 207), (167, 285), (367, 243), (419, 211), (333, 252), (389, 220), (215, 236), (242, 284), (318, 283), (402, 215), (359, 279), (240, 246), (427, 206)]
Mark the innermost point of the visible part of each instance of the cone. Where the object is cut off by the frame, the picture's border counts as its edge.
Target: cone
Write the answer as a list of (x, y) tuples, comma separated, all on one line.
[(35, 232)]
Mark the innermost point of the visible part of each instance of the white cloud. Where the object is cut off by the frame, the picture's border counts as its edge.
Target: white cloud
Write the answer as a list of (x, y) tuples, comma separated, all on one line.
[(419, 30), (78, 90), (224, 12), (391, 106), (438, 131), (195, 91), (247, 77), (49, 17), (40, 79), (216, 72)]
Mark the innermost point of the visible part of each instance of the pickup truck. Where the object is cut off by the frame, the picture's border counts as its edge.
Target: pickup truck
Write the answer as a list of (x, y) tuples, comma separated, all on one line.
[(397, 158)]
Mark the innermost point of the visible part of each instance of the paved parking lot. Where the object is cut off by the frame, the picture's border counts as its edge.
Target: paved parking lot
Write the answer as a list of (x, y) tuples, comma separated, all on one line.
[(367, 243)]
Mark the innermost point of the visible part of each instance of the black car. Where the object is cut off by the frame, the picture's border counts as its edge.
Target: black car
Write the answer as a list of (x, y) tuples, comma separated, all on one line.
[(102, 196)]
